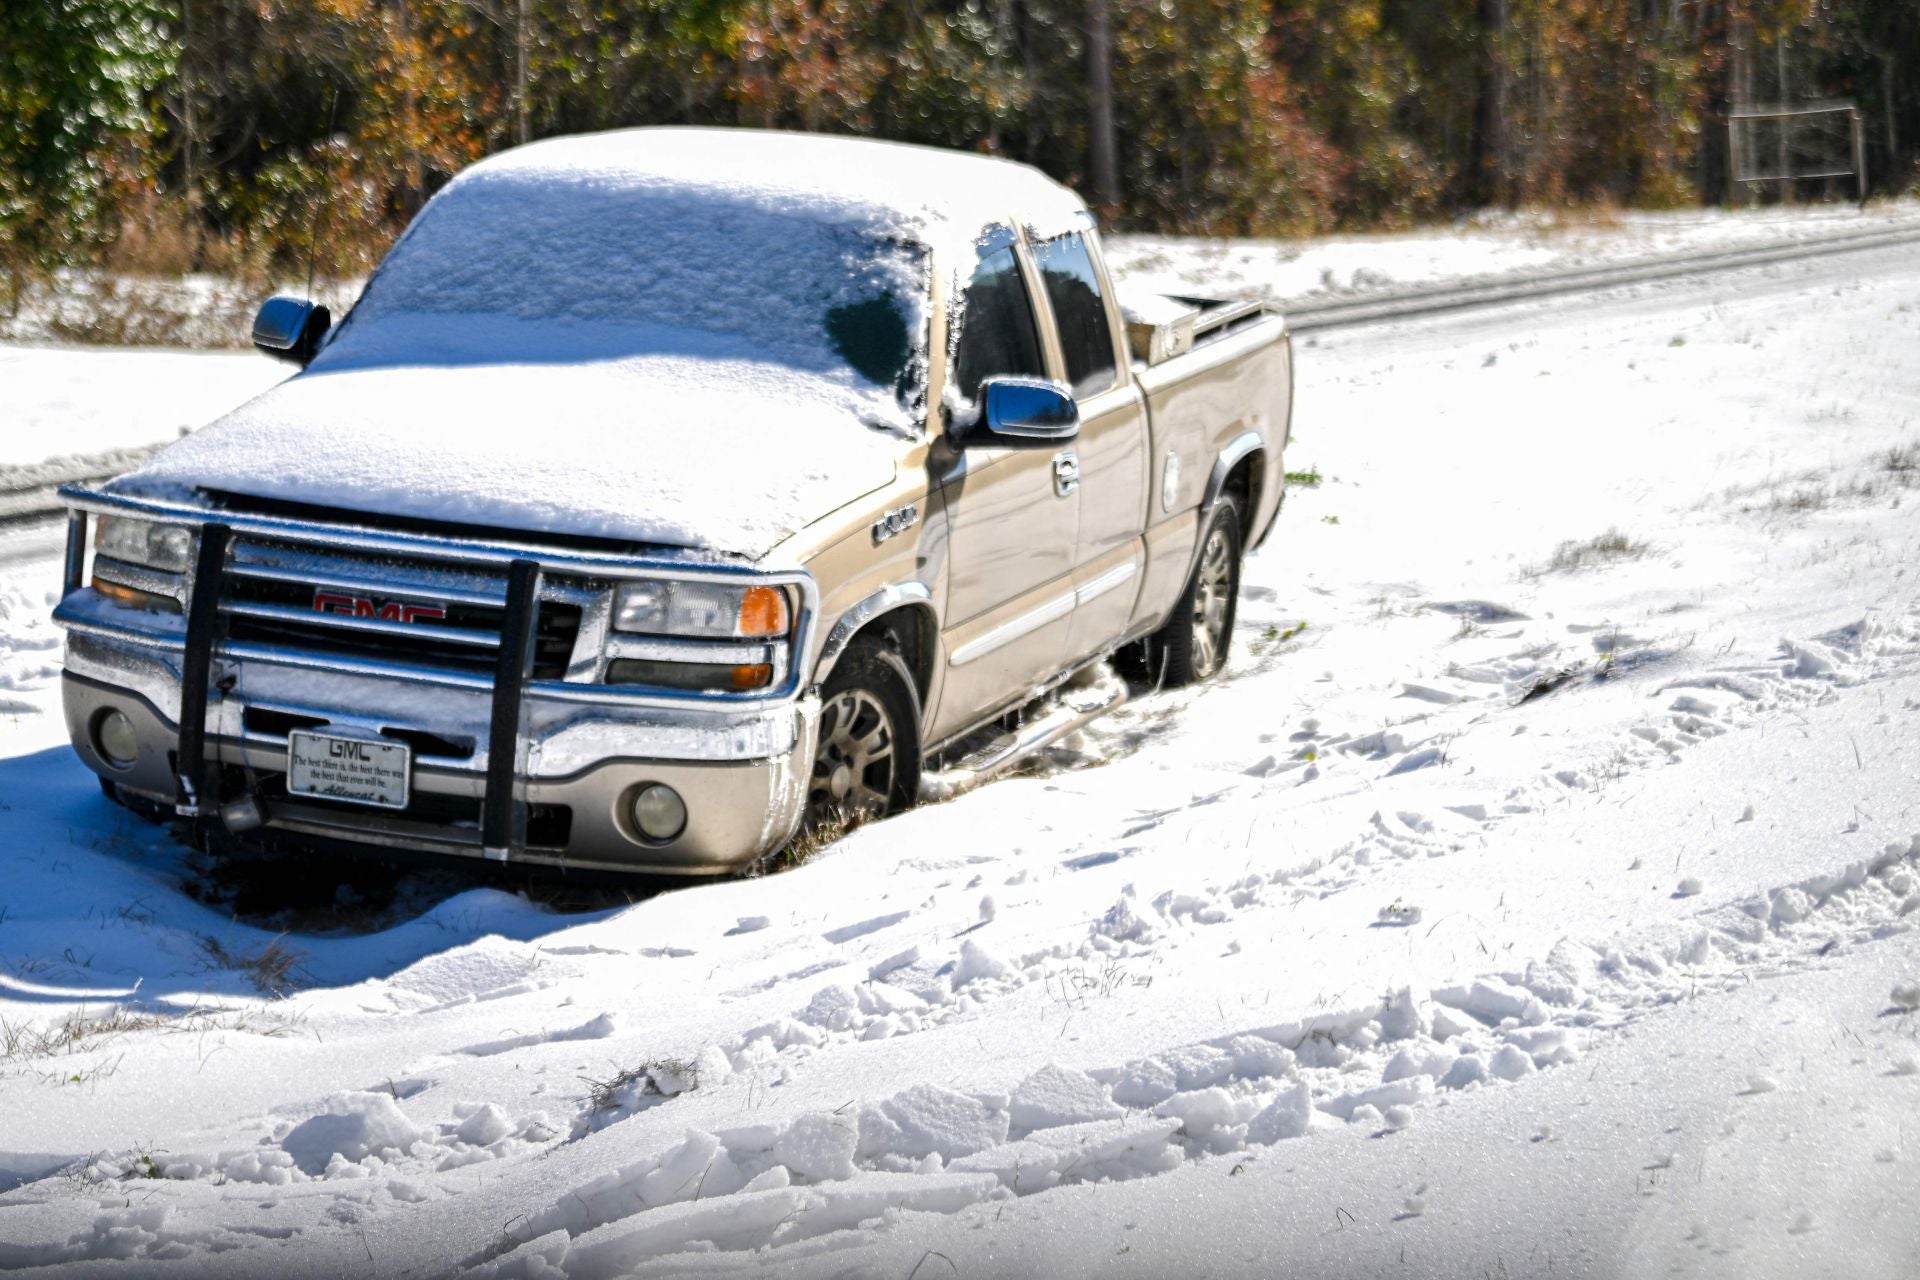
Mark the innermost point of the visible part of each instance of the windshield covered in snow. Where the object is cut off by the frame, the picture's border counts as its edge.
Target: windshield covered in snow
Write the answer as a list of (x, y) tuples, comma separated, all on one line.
[(507, 267)]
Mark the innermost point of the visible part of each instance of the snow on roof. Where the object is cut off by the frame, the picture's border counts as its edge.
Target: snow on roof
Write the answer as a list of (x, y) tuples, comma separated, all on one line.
[(913, 191)]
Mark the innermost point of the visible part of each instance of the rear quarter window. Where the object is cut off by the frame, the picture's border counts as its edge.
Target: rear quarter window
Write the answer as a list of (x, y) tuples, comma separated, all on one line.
[(1073, 289)]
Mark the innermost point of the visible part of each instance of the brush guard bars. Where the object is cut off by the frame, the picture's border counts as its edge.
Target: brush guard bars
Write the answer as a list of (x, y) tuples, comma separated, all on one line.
[(518, 752)]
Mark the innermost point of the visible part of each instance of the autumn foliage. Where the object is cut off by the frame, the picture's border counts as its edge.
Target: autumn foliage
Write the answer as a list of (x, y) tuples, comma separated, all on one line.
[(173, 133)]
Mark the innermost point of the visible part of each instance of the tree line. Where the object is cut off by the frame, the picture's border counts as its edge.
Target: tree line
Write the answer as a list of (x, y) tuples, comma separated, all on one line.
[(208, 134)]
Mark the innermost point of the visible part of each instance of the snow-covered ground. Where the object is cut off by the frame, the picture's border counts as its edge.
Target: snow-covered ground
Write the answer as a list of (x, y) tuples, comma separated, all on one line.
[(1544, 904), (59, 401), (1491, 247)]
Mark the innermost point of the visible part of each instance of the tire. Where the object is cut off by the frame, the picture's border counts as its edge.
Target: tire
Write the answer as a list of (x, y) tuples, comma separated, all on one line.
[(1193, 645), (866, 761)]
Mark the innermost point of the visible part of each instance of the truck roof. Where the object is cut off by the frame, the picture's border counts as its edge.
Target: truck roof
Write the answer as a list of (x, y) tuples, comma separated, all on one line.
[(911, 191)]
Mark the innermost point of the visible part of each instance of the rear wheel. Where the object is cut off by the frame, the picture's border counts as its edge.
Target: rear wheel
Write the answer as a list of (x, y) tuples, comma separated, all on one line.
[(1193, 645), (866, 760)]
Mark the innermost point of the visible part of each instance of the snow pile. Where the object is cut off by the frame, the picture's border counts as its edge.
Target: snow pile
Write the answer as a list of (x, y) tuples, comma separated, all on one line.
[(353, 1127)]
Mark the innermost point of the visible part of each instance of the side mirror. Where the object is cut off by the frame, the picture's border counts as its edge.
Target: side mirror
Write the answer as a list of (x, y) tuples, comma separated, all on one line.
[(290, 328), (1025, 413)]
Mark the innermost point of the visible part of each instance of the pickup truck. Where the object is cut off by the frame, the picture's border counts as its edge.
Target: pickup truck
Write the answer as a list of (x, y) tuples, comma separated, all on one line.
[(667, 492)]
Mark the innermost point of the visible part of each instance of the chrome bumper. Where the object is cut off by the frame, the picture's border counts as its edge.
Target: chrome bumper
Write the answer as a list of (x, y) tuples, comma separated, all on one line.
[(743, 776), (740, 763)]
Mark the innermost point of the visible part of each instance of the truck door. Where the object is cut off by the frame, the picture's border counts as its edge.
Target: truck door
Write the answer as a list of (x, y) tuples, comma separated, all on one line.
[(1112, 447), (1013, 515)]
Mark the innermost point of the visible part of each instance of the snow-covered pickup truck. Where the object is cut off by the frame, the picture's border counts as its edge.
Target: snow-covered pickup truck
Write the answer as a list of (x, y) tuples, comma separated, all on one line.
[(663, 492)]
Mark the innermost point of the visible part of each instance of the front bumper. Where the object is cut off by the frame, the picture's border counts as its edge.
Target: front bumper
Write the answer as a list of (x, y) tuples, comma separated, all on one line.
[(213, 707), (743, 776)]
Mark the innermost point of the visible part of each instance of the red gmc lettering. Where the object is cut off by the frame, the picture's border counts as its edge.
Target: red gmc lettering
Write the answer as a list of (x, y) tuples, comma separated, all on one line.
[(362, 607)]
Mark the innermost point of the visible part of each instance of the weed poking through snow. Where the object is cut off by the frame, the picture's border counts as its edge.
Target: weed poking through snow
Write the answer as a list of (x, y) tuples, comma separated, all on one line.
[(273, 968), (1608, 547), (634, 1089)]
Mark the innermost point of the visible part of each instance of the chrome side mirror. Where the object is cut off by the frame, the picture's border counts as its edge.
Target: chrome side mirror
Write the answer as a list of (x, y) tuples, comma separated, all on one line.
[(290, 328), (1025, 413)]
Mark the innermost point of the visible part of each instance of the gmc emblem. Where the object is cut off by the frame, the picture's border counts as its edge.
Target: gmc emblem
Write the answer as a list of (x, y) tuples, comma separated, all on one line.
[(352, 606)]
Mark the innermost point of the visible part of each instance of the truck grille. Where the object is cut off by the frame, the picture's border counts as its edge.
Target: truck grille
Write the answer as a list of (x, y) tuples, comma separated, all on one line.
[(396, 611)]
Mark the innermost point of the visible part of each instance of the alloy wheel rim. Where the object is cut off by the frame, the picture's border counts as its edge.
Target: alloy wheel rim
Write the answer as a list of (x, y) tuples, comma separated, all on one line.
[(853, 767), (1210, 603)]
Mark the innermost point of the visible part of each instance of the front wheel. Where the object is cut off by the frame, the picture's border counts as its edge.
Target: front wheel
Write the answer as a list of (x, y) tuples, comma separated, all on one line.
[(1193, 645), (866, 761)]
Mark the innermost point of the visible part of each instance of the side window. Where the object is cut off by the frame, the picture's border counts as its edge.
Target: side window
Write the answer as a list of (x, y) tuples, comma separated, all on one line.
[(1066, 265), (997, 334)]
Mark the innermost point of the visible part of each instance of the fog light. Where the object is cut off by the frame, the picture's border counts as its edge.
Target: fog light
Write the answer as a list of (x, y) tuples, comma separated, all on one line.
[(659, 812), (115, 740)]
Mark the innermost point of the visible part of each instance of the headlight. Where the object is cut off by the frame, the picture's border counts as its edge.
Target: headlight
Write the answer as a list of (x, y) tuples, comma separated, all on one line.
[(166, 547), (707, 610)]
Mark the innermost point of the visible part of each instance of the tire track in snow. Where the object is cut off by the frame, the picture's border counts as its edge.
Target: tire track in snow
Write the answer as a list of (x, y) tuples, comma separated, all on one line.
[(1374, 1063), (933, 1149)]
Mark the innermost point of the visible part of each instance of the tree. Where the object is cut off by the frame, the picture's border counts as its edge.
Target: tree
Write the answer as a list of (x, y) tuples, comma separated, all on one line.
[(74, 79)]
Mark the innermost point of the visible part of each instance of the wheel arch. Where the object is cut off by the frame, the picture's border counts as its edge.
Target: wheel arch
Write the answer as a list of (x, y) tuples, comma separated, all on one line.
[(1240, 470), (900, 616)]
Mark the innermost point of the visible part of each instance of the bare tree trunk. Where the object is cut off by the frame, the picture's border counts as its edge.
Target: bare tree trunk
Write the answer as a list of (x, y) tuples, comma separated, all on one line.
[(1894, 178), (1780, 150), (1490, 115), (416, 175), (1036, 130), (1101, 160), (1002, 37), (1740, 91), (521, 34), (190, 133)]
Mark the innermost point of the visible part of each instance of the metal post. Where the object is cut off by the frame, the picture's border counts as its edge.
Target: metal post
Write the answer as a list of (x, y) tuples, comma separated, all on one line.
[(76, 565), (1859, 155), (203, 620), (1736, 189), (502, 815)]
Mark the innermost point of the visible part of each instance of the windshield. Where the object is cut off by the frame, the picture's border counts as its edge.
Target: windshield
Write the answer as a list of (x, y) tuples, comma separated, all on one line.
[(539, 267)]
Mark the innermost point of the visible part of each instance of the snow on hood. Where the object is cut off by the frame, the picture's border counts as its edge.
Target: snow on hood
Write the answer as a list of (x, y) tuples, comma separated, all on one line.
[(719, 455)]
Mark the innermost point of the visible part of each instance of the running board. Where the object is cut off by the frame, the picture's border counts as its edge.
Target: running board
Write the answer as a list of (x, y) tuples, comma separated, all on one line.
[(1010, 748)]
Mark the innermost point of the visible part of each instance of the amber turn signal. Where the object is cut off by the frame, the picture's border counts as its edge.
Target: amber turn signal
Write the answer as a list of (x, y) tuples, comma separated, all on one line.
[(753, 677), (131, 598), (763, 612)]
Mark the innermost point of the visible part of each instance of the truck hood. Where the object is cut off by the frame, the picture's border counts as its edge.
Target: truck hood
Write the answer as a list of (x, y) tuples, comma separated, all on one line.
[(729, 457)]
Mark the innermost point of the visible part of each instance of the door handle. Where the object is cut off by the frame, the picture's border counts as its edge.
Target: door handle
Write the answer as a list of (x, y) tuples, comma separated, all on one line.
[(1066, 474)]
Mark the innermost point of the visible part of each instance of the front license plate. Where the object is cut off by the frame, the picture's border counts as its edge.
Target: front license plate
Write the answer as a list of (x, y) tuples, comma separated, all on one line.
[(355, 770)]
